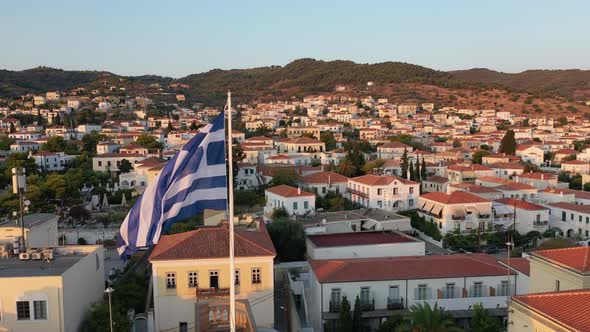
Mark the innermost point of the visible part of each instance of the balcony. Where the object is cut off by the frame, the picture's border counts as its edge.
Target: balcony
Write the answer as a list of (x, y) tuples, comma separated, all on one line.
[(368, 305), (211, 292), (395, 303), (358, 193), (214, 316), (541, 224)]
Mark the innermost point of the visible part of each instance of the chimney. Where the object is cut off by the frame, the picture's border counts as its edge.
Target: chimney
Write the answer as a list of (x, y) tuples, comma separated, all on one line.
[(542, 176), (298, 191)]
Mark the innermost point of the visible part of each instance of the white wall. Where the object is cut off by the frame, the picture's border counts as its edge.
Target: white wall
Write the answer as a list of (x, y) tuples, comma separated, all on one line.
[(415, 248)]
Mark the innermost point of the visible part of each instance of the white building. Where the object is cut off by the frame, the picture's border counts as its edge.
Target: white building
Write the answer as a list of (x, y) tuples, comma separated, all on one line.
[(389, 285), (362, 245), (51, 161), (457, 211), (384, 192), (295, 201), (112, 161), (322, 183), (529, 216)]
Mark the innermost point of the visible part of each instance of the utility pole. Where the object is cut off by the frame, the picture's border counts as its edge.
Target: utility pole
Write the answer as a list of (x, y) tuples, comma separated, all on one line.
[(19, 186)]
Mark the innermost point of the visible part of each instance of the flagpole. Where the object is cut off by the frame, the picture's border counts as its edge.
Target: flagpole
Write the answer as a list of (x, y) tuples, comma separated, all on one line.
[(230, 204)]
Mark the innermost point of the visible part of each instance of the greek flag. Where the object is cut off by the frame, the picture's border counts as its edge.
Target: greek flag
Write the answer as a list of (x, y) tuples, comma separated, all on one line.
[(195, 179)]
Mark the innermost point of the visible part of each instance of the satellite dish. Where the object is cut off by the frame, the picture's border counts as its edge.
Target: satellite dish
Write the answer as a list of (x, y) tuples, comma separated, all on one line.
[(27, 202)]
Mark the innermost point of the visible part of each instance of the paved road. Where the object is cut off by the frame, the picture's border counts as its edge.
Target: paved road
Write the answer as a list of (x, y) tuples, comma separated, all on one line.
[(280, 306)]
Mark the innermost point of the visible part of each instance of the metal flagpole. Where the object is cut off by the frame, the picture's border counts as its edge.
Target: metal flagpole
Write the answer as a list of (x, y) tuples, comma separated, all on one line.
[(230, 197)]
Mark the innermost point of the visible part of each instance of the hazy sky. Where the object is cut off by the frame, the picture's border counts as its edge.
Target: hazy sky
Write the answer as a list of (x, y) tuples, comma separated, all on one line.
[(175, 38)]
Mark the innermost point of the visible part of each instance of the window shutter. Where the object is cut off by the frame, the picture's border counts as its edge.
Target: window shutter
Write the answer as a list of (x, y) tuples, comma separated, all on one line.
[(492, 291), (439, 293)]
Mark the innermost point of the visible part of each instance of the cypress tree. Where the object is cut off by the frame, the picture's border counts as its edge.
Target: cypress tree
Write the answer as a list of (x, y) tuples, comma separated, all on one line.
[(423, 170), (508, 143), (345, 318), (412, 171), (417, 174), (404, 164), (357, 316)]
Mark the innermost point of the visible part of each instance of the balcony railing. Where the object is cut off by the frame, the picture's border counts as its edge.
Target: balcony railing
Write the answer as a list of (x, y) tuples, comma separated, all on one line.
[(541, 223), (334, 306), (368, 305), (395, 303), (212, 292), (358, 193)]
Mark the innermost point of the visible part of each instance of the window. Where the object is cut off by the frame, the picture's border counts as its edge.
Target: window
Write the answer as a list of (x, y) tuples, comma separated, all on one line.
[(256, 279), (170, 280), (449, 291), (193, 279), (580, 218), (40, 309), (379, 192), (411, 202), (563, 216), (335, 296), (23, 311), (588, 220), (422, 292), (571, 216), (477, 290), (99, 163), (365, 295), (294, 205), (393, 292), (411, 190), (557, 285), (213, 279), (504, 288), (395, 191), (305, 204), (237, 277)]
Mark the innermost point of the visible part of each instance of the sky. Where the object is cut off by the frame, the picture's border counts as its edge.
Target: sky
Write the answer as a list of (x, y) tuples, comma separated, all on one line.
[(177, 38)]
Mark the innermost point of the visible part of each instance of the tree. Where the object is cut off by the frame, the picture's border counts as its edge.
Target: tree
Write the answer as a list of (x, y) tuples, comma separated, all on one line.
[(424, 318), (405, 164), (12, 128), (194, 126), (424, 171), (417, 174), (286, 176), (5, 142), (125, 166), (371, 165), (456, 143), (59, 144), (478, 156), (148, 141), (288, 238), (344, 317), (482, 321), (79, 213), (90, 141), (21, 159), (412, 171), (530, 167), (508, 143), (328, 138), (392, 324), (346, 167), (238, 155), (357, 315)]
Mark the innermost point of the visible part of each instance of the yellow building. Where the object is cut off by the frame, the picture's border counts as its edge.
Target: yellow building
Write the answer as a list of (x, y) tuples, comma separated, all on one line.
[(548, 312), (193, 267), (560, 269), (53, 293)]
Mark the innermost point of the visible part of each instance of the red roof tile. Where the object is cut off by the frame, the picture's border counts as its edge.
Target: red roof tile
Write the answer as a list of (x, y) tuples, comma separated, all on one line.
[(520, 264), (410, 267), (576, 258), (288, 191), (568, 308), (209, 243), (521, 204), (323, 177), (456, 197)]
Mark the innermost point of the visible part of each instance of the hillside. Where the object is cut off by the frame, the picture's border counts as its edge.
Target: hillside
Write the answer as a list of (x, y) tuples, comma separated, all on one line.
[(571, 83), (401, 81)]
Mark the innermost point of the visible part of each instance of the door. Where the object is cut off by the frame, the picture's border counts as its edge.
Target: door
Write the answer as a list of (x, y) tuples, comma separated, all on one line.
[(214, 279)]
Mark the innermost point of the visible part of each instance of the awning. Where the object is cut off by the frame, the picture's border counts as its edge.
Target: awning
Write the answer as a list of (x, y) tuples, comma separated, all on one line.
[(502, 209), (428, 206), (436, 210), (368, 224)]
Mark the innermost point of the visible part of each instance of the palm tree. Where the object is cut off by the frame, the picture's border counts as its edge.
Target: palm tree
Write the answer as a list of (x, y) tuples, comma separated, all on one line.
[(346, 167), (424, 318)]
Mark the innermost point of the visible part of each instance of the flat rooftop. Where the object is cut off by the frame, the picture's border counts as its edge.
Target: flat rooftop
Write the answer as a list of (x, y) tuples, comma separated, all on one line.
[(63, 259), (360, 214), (358, 238), (32, 220)]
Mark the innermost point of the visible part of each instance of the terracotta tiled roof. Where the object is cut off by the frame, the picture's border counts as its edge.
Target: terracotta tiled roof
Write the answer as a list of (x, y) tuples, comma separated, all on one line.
[(578, 193), (568, 308), (521, 204), (574, 162), (538, 176), (507, 166), (359, 238), (576, 258), (494, 179), (411, 267), (323, 177), (437, 179), (520, 264), (571, 206), (396, 145), (210, 243), (566, 151), (515, 186), (456, 197), (472, 167), (288, 191)]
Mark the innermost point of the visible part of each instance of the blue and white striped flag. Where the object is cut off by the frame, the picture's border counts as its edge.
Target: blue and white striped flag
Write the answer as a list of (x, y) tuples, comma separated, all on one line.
[(195, 179)]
